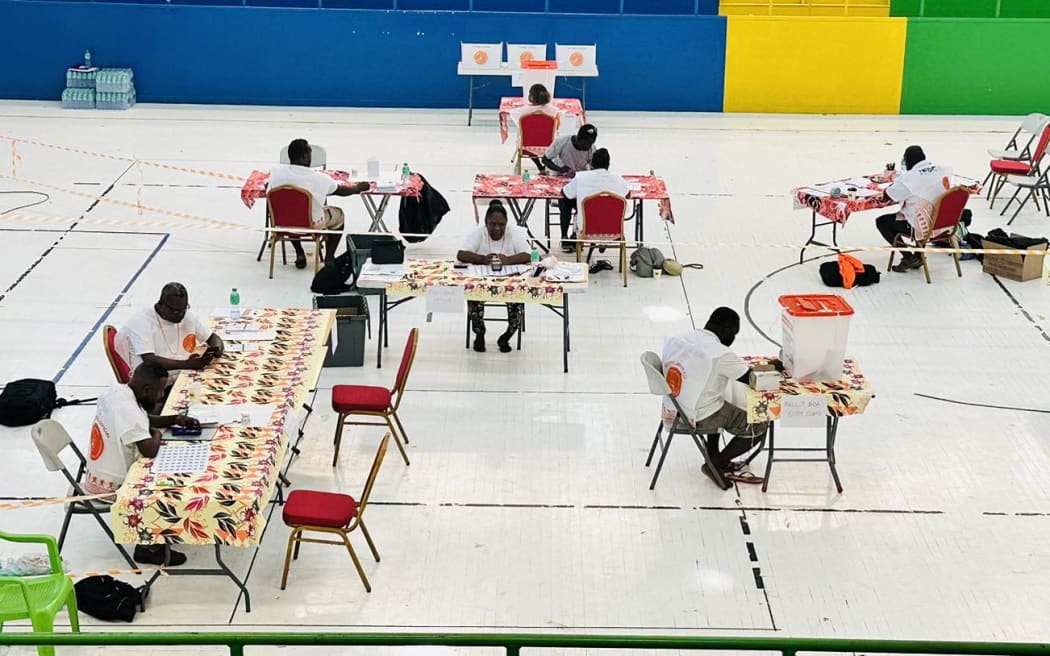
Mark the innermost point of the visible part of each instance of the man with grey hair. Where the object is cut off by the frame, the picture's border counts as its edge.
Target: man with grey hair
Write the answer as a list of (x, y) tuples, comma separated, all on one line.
[(168, 334)]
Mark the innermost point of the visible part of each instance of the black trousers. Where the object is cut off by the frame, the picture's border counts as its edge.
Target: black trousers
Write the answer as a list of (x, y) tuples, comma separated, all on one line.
[(889, 226), (566, 207)]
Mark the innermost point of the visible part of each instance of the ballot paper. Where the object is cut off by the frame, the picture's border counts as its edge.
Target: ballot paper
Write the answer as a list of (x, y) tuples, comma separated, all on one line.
[(221, 414), (567, 272), (181, 458), (486, 271)]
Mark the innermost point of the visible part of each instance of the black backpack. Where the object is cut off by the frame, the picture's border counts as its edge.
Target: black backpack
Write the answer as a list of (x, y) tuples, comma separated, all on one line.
[(832, 277), (106, 598), (332, 277), (27, 401)]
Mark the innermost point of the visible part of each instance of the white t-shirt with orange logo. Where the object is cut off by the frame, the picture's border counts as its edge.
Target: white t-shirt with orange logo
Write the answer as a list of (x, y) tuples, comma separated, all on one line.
[(120, 422), (918, 190), (146, 332)]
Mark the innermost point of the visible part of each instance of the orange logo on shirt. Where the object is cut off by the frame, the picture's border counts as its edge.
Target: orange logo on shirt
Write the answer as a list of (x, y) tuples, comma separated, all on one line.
[(674, 380), (526, 57), (576, 59), (480, 57), (946, 182), (98, 445), (189, 343)]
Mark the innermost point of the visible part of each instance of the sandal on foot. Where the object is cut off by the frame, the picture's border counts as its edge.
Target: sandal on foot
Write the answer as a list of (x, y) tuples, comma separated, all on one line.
[(744, 477)]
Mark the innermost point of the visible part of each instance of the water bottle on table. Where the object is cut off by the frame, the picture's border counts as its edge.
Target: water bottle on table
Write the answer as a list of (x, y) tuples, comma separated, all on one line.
[(235, 301)]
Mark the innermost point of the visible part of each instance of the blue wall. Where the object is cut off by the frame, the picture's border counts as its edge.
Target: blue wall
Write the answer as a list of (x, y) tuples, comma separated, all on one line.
[(288, 56)]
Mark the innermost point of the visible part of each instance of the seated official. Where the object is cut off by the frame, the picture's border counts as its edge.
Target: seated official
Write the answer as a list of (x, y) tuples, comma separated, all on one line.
[(299, 174), (495, 240), (595, 181), (712, 412), (567, 156), (539, 100), (123, 432), (917, 188), (168, 334)]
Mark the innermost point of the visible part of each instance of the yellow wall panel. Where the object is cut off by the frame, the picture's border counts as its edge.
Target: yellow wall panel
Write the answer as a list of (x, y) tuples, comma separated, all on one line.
[(816, 65)]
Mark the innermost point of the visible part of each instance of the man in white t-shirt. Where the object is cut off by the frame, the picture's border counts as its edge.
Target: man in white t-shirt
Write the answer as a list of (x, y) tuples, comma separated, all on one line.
[(319, 185), (596, 181), (508, 245), (168, 334), (719, 367), (568, 156), (122, 433), (918, 187)]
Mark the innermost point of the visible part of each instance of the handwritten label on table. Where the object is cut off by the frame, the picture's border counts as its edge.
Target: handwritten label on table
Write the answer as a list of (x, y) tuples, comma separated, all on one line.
[(445, 298), (807, 411)]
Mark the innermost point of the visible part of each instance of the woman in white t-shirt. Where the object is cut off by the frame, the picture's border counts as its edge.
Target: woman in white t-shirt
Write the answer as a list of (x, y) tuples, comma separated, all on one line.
[(495, 241)]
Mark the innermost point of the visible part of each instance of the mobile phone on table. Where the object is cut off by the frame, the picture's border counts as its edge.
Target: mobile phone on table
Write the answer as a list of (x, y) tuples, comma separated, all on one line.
[(183, 430), (459, 265)]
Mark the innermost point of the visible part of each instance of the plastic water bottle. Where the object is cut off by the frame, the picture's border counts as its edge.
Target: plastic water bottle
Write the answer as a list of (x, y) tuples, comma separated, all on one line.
[(235, 301), (405, 173), (87, 59), (525, 179), (534, 256)]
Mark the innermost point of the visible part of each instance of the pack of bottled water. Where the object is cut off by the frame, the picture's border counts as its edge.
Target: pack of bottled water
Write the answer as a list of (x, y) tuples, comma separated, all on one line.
[(115, 99), (77, 98), (114, 80)]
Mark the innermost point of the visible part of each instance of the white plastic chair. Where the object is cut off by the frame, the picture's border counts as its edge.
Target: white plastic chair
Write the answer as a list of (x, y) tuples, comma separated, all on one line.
[(1038, 186), (1032, 126), (51, 439), (654, 375)]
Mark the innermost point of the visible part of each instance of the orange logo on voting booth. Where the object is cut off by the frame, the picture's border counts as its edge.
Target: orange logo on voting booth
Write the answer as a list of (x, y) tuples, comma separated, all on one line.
[(189, 343), (526, 57), (481, 57), (98, 445), (674, 379), (576, 59)]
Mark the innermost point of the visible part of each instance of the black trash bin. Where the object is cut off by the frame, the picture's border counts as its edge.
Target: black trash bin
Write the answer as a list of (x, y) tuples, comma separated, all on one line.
[(351, 319)]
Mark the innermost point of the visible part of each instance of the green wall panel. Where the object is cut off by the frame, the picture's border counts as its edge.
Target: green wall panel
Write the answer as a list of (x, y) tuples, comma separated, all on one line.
[(961, 8), (1026, 9), (962, 66), (904, 8)]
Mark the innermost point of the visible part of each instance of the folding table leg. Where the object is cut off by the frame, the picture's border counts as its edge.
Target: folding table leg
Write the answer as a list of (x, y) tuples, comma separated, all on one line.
[(769, 458), (832, 433)]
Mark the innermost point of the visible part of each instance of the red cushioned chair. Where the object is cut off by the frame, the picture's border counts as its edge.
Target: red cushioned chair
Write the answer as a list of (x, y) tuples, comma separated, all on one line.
[(536, 132), (601, 220), (121, 369), (947, 213), (1003, 168), (291, 208), (350, 400), (328, 512)]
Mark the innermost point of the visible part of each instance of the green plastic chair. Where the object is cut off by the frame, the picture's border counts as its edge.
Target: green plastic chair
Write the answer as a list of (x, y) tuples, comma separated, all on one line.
[(38, 598)]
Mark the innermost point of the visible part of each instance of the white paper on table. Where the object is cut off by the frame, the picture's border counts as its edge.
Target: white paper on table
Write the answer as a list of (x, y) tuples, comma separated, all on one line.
[(634, 185), (383, 271), (234, 313), (865, 193), (242, 347), (445, 298), (486, 271), (567, 272), (857, 182), (333, 343), (187, 458), (804, 411), (230, 413), (242, 336)]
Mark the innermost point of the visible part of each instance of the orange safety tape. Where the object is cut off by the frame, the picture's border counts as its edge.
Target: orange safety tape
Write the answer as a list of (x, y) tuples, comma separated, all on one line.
[(32, 503), (169, 167)]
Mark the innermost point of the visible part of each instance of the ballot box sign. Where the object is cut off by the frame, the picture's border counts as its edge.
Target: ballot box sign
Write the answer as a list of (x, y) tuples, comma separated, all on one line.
[(576, 58), (481, 55), (445, 298), (805, 411), (519, 53)]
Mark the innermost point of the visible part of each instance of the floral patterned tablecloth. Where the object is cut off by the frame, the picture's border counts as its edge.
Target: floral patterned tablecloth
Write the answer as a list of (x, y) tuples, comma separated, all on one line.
[(507, 104), (838, 208), (255, 187), (847, 396), (550, 186), (225, 503), (421, 274)]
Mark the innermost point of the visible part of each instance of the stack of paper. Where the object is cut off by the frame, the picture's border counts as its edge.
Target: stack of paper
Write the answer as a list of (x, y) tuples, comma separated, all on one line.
[(246, 332), (567, 272), (486, 271)]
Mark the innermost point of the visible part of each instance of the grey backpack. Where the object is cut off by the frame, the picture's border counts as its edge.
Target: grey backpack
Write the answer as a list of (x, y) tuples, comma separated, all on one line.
[(644, 260)]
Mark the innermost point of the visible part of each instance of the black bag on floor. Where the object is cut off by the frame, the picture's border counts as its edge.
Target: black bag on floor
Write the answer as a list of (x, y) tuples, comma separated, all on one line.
[(332, 277), (27, 401), (832, 276), (106, 598)]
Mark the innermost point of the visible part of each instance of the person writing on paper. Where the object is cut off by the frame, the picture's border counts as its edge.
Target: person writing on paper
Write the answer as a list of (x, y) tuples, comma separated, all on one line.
[(319, 185), (495, 240), (567, 156), (539, 101), (598, 180), (719, 366), (168, 334), (917, 188), (124, 431)]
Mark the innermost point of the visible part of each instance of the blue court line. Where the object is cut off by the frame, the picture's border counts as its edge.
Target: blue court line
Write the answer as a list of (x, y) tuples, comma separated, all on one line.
[(109, 310)]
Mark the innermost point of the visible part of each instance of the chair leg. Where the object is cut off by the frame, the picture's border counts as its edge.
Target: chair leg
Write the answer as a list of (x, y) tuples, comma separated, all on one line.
[(293, 540), (273, 252), (517, 163), (65, 529), (579, 249), (955, 255), (399, 426), (71, 610), (338, 437), (284, 254), (317, 254), (397, 439), (889, 267), (42, 623), (925, 267), (663, 455), (656, 440), (623, 262), (368, 539), (357, 563)]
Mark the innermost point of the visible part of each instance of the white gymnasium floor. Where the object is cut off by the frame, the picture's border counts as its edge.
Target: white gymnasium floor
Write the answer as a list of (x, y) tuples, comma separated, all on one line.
[(526, 507)]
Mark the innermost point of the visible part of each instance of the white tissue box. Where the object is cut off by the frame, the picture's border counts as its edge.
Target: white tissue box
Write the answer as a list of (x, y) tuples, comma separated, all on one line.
[(764, 378)]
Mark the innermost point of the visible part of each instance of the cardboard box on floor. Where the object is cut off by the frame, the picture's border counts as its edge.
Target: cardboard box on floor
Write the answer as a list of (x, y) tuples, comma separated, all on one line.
[(1018, 266)]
